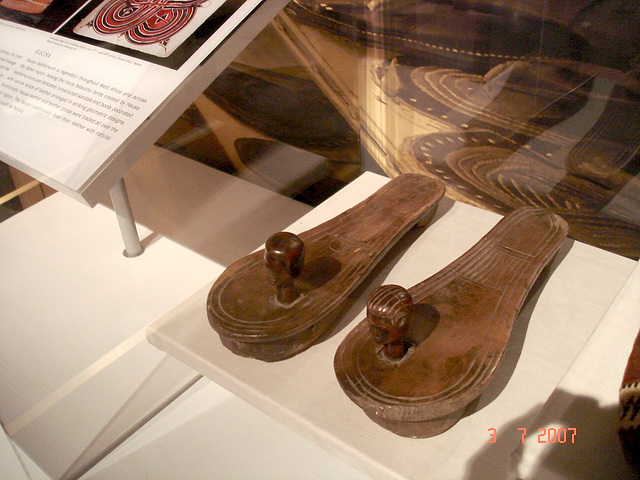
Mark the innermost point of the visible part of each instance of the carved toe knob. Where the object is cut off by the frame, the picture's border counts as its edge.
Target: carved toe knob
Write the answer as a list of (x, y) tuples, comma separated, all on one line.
[(389, 310), (284, 256)]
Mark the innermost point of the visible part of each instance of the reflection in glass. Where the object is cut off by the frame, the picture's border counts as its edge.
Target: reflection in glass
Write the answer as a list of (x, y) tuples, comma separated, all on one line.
[(33, 7), (508, 103)]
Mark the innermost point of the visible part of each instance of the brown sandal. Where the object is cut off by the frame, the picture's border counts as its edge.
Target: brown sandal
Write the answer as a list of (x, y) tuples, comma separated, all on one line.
[(273, 313), (438, 344)]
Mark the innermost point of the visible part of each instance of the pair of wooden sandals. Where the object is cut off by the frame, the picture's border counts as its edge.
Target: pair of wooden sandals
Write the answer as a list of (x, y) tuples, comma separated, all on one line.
[(422, 354)]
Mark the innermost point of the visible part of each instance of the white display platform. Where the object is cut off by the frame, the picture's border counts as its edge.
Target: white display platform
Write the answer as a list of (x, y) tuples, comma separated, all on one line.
[(206, 433), (302, 393), (15, 464), (209, 433), (586, 399), (10, 462), (77, 374)]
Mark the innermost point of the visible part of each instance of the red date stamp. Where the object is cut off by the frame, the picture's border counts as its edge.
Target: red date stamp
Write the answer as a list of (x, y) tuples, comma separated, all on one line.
[(545, 435)]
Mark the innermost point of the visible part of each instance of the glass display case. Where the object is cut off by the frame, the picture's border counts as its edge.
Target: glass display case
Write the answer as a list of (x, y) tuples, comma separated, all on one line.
[(508, 103)]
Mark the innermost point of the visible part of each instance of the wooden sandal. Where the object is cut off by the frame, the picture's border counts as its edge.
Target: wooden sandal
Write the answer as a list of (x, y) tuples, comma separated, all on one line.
[(423, 355), (273, 312)]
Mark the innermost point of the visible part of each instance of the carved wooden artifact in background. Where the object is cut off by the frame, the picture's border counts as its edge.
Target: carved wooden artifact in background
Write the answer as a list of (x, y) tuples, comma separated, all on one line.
[(424, 354), (629, 425), (273, 311)]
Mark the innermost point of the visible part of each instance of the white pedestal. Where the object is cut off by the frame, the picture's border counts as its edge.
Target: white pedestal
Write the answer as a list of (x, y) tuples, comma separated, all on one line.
[(209, 433), (303, 394)]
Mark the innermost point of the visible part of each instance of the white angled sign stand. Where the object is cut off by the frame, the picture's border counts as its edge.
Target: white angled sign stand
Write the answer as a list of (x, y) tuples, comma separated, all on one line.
[(85, 89)]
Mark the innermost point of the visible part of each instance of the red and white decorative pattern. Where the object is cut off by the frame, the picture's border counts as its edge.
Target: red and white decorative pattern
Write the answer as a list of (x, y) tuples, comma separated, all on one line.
[(145, 22), (156, 27)]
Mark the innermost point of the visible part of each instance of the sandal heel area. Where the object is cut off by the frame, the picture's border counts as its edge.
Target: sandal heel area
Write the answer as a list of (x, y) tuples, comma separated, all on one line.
[(427, 217)]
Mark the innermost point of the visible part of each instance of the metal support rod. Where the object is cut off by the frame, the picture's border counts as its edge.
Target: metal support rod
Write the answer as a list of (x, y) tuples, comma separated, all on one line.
[(122, 207)]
